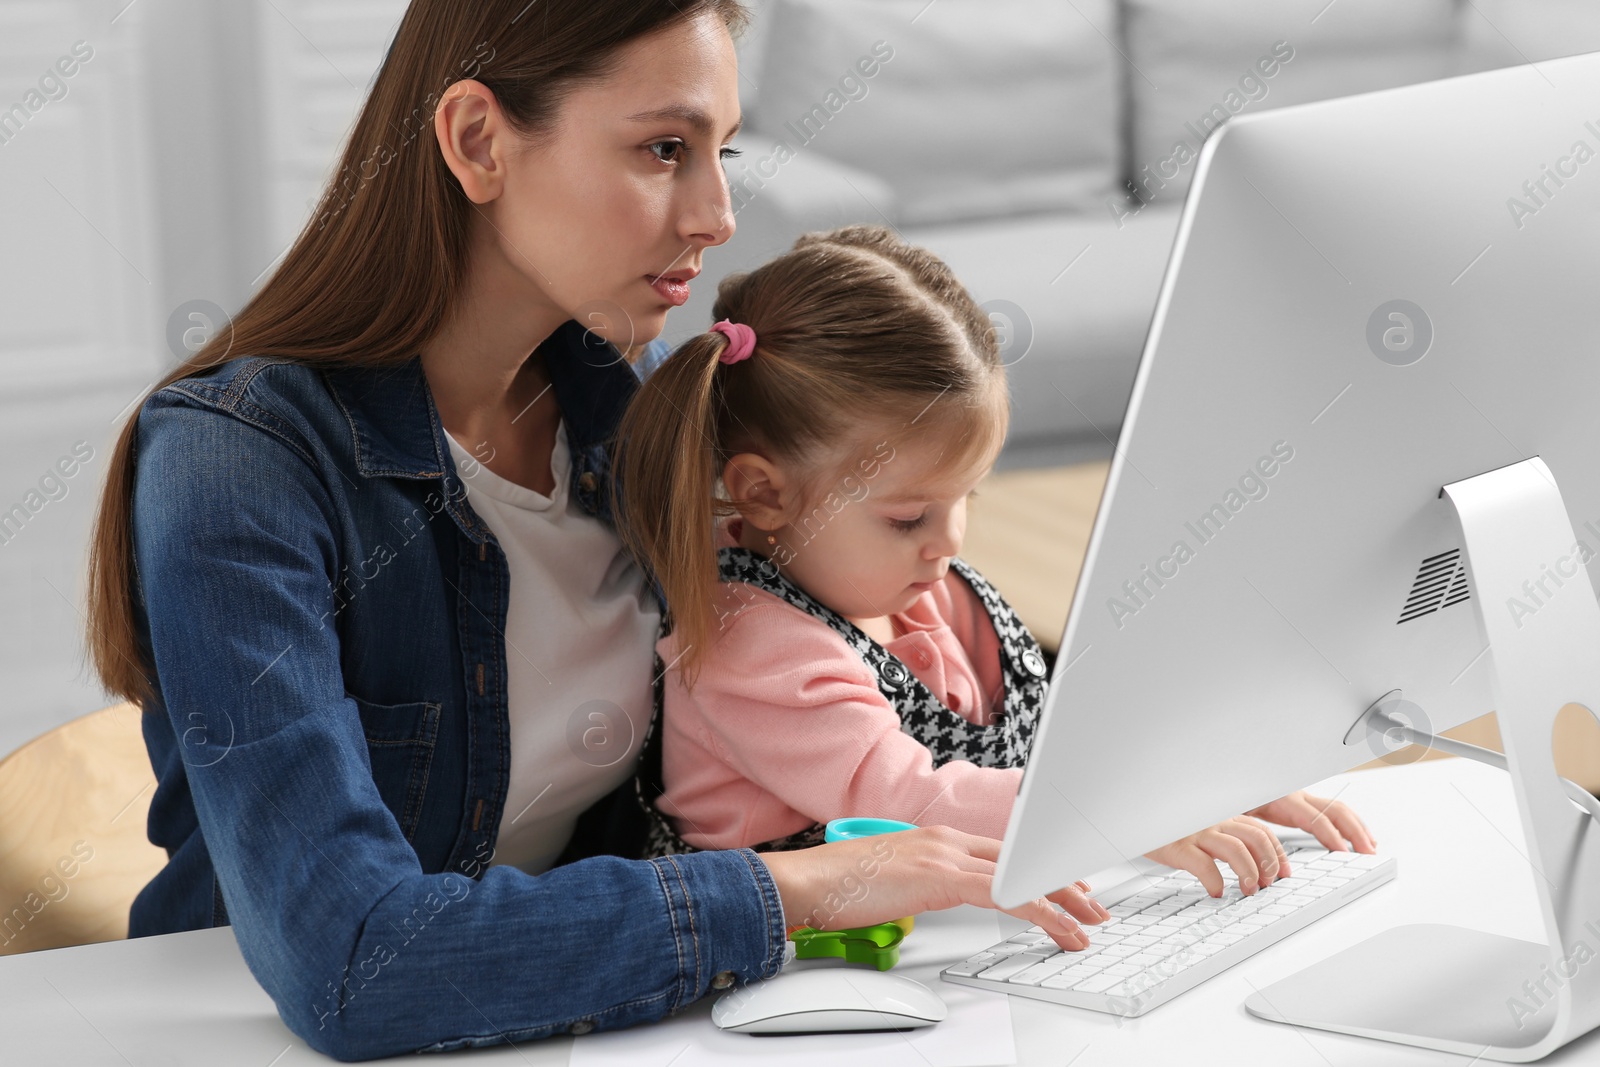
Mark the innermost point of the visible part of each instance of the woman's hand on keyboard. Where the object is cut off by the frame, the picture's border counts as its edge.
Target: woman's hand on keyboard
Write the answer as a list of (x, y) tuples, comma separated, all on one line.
[(871, 880), (1246, 844), (1331, 821)]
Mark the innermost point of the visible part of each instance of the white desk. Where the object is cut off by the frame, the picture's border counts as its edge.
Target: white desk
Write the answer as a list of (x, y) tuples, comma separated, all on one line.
[(188, 998)]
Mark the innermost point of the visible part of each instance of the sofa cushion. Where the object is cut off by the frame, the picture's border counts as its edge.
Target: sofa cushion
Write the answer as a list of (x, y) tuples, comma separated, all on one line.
[(970, 110), (1072, 297), (1194, 62)]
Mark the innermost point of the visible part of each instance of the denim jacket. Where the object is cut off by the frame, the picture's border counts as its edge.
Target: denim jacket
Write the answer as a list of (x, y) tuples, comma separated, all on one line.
[(330, 732)]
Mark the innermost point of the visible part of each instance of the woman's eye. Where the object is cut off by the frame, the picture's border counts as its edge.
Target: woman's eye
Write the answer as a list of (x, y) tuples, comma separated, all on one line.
[(727, 153), (907, 525), (666, 144)]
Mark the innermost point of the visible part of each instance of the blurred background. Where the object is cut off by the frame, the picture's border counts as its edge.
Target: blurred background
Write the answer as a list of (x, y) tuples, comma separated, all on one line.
[(157, 157)]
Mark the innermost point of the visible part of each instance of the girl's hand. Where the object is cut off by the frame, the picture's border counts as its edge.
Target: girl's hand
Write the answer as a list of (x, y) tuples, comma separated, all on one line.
[(877, 879), (1330, 820), (1245, 844)]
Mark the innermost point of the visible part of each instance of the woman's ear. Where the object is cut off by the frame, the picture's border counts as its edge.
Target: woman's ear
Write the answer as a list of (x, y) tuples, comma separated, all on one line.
[(759, 490), (472, 137)]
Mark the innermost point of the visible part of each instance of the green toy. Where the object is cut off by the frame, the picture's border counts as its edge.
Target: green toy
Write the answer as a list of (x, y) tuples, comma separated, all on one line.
[(875, 946)]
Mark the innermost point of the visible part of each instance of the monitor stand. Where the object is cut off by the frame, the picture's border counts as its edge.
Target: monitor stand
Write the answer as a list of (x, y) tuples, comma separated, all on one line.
[(1460, 990)]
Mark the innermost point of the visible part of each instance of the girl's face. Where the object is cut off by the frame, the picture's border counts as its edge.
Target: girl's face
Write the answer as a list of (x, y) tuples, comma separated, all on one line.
[(871, 544), (628, 187)]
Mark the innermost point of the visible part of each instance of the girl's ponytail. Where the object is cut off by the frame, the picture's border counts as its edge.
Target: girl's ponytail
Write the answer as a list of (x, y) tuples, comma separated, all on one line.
[(668, 465)]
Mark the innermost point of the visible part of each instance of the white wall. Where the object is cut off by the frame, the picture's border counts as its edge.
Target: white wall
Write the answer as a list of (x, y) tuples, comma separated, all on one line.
[(183, 157)]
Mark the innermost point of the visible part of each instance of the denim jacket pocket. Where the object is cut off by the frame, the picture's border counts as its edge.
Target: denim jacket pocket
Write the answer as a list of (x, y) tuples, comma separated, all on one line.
[(400, 742)]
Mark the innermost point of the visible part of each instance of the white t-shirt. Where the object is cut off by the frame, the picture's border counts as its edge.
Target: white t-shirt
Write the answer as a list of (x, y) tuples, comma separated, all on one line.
[(580, 640)]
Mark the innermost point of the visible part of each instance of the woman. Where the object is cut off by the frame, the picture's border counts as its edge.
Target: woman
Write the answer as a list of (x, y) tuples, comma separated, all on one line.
[(408, 790)]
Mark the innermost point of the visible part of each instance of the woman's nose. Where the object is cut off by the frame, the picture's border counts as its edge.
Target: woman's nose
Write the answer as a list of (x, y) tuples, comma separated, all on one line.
[(709, 219)]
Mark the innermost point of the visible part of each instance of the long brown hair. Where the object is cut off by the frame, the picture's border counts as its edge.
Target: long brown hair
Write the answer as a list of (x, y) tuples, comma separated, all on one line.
[(856, 331), (377, 269)]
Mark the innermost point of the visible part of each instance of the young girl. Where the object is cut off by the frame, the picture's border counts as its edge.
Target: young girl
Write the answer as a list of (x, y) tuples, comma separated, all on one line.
[(797, 480)]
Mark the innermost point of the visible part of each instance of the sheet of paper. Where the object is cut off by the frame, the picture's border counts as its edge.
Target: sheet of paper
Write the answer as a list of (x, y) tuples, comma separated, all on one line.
[(977, 1032)]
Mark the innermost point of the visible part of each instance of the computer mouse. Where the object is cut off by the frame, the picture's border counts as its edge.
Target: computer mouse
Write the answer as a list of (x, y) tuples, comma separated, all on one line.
[(828, 999)]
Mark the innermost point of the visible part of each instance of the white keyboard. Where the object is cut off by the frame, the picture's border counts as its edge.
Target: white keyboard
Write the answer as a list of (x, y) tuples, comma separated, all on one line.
[(1166, 935)]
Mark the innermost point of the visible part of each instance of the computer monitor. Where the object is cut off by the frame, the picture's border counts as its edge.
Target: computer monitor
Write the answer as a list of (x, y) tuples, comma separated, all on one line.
[(1368, 299)]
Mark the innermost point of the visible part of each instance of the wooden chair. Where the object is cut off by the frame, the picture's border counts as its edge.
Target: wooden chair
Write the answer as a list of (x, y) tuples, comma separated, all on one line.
[(73, 851)]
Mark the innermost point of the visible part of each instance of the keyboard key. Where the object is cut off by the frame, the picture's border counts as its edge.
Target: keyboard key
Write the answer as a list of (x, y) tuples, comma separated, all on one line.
[(981, 961), (1140, 940), (1007, 948), (1003, 970), (1115, 927), (1279, 909), (1122, 950), (1029, 937), (1167, 968), (1037, 973), (1098, 984), (1142, 919), (1095, 965)]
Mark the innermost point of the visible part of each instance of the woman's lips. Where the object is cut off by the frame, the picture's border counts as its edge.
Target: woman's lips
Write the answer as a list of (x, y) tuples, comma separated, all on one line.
[(673, 292)]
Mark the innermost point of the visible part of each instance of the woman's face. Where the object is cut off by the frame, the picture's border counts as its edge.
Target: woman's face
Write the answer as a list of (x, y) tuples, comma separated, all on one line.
[(629, 187)]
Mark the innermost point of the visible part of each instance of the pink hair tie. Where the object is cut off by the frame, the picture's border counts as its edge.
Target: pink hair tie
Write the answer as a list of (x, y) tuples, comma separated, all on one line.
[(741, 340)]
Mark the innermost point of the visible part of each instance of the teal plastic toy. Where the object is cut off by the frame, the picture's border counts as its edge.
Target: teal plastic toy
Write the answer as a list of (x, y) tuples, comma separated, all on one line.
[(874, 946)]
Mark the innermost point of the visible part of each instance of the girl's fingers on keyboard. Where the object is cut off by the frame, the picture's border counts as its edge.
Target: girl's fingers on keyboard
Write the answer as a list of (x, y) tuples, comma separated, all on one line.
[(1271, 861), (1346, 823), (1186, 855), (1332, 822), (1223, 843)]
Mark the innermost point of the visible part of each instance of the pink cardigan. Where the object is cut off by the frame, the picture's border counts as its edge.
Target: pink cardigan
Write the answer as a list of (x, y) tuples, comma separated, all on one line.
[(785, 725)]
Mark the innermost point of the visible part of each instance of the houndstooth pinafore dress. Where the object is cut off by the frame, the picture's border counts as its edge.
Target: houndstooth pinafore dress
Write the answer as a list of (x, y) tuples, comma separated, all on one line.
[(946, 735)]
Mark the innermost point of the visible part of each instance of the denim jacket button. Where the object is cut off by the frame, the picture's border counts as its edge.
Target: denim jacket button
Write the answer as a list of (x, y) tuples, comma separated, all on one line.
[(587, 481), (581, 1027), (722, 980)]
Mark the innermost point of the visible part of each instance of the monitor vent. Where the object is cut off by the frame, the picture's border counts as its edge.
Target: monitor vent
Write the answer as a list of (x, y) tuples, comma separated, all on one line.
[(1441, 582)]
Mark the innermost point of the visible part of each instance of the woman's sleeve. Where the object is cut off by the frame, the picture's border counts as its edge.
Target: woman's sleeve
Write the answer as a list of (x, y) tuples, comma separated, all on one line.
[(790, 707), (364, 954)]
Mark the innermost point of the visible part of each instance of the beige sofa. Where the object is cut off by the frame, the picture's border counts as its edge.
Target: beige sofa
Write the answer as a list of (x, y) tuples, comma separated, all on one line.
[(1043, 148)]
